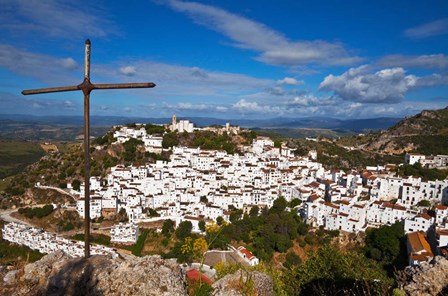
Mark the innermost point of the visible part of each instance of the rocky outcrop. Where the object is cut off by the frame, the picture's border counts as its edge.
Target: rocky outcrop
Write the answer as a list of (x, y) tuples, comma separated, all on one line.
[(426, 279), (243, 283), (406, 135), (58, 274)]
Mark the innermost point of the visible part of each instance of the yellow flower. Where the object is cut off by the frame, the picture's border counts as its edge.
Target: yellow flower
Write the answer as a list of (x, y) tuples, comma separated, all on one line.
[(200, 246), (187, 246), (212, 228)]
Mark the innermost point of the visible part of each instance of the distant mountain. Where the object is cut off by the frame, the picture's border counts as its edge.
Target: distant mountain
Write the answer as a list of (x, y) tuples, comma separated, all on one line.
[(355, 125), (426, 132)]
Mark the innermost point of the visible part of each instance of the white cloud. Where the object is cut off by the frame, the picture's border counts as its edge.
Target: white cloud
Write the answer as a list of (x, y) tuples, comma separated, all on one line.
[(128, 70), (66, 19), (42, 67), (276, 90), (384, 86), (18, 104), (434, 61), (180, 81), (310, 100), (187, 106), (244, 106), (221, 109), (290, 81), (274, 48), (69, 63), (435, 28)]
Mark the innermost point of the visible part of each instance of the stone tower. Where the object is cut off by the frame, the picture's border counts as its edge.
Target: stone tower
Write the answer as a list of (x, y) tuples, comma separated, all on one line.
[(173, 123)]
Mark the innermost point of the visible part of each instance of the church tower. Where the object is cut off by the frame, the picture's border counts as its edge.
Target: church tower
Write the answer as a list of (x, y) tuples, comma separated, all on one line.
[(173, 123)]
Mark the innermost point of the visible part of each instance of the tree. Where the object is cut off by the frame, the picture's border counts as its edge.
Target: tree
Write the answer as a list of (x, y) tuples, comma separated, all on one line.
[(294, 203), (387, 242), (168, 227), (279, 205), (254, 211), (152, 212), (76, 184), (329, 271), (184, 229), (292, 260), (204, 199), (424, 203), (235, 215), (201, 225), (170, 140), (122, 215), (219, 220), (154, 129), (277, 144)]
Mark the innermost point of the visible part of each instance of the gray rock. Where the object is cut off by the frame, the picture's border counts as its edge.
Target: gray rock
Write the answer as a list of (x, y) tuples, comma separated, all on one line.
[(243, 283), (10, 277), (426, 279), (58, 274)]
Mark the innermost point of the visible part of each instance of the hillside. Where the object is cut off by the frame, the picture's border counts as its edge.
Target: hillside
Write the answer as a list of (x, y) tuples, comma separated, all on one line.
[(67, 166), (426, 132)]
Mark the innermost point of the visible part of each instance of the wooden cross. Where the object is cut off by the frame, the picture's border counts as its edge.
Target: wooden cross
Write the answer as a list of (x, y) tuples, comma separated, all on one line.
[(86, 87)]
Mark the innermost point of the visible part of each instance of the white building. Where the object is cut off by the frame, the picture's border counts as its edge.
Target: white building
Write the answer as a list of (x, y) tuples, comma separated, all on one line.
[(124, 233), (248, 257), (45, 242)]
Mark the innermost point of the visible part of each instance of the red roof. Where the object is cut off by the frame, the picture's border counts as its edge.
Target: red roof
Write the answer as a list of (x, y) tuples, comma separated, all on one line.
[(246, 252), (193, 275)]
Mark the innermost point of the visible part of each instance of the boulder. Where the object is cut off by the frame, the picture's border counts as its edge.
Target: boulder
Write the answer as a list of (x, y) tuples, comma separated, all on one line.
[(57, 274)]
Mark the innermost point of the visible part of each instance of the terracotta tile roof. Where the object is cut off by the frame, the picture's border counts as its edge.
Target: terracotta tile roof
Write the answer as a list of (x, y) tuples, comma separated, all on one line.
[(418, 243), (194, 275), (246, 252)]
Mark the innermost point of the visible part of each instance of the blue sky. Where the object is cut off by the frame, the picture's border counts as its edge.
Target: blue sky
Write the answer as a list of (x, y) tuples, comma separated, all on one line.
[(228, 59)]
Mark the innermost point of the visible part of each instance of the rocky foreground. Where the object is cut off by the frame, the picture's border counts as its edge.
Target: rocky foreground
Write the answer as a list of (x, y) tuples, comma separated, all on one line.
[(426, 279), (58, 274)]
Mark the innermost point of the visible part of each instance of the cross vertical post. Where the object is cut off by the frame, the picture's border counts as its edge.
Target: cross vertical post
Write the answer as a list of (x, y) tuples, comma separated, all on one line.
[(87, 151), (86, 87)]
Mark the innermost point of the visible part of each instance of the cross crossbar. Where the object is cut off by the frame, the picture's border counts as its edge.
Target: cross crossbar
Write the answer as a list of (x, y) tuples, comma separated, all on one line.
[(86, 87)]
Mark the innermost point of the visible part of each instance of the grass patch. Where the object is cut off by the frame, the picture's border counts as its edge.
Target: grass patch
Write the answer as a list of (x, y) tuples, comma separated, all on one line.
[(12, 253), (138, 247), (16, 155), (100, 239)]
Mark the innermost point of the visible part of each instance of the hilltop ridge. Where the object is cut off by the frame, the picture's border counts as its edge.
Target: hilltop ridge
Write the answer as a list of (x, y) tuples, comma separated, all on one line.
[(425, 132)]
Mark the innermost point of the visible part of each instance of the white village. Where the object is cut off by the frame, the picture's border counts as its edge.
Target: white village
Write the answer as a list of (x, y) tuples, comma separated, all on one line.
[(202, 185)]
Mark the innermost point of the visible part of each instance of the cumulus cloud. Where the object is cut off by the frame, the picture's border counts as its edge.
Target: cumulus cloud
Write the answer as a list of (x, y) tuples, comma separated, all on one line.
[(244, 106), (435, 28), (128, 70), (66, 19), (273, 46), (310, 100), (434, 61), (69, 63), (384, 86), (290, 81), (276, 91)]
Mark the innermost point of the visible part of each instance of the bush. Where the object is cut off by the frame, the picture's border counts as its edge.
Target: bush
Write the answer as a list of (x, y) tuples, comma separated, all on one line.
[(36, 212)]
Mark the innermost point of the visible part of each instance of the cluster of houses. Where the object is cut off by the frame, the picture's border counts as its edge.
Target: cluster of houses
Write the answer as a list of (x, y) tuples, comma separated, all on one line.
[(200, 185), (153, 143), (124, 233), (175, 188), (428, 161), (46, 242), (196, 185)]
